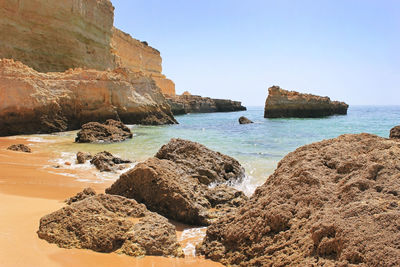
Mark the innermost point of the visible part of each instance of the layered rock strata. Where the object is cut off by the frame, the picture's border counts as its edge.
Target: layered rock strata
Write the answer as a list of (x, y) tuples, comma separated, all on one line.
[(175, 183), (110, 131), (281, 103), (106, 223), (33, 102), (186, 103), (331, 203)]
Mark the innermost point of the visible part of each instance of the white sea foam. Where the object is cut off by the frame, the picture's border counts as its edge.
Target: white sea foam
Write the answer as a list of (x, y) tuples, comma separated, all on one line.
[(195, 235)]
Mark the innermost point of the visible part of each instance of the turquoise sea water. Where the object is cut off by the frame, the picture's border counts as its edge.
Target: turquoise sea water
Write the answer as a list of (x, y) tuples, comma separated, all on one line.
[(257, 146)]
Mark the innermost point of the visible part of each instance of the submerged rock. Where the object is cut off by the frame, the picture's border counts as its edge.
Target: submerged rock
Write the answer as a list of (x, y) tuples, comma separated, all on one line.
[(395, 132), (82, 157), (87, 192), (165, 187), (282, 104), (200, 162), (106, 162), (244, 120), (331, 203), (110, 131), (107, 223), (20, 147)]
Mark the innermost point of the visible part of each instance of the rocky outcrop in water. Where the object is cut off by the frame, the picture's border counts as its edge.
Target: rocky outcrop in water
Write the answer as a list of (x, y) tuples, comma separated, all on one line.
[(107, 223), (282, 104), (33, 102), (176, 183), (331, 203), (395, 132), (82, 157), (110, 131), (187, 103), (244, 120), (107, 162), (20, 147)]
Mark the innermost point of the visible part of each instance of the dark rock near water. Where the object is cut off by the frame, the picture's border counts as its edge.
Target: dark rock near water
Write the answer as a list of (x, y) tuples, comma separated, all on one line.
[(331, 203), (167, 188), (106, 162), (82, 157), (395, 132), (20, 147), (110, 131), (107, 223), (87, 192), (282, 104), (187, 103), (200, 162), (244, 120)]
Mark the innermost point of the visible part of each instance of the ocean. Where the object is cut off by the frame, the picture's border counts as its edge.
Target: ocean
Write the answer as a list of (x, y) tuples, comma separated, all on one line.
[(258, 146)]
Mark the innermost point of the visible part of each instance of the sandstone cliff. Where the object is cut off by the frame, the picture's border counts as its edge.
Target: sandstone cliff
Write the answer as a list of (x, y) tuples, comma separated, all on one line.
[(187, 103), (53, 36), (33, 102), (281, 103)]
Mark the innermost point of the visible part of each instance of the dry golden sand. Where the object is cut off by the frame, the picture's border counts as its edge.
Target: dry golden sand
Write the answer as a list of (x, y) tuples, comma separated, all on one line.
[(27, 192)]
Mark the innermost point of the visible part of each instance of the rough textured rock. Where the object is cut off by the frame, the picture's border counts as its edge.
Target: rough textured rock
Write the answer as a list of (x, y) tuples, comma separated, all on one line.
[(166, 188), (57, 35), (87, 192), (20, 147), (139, 56), (106, 162), (331, 203), (200, 162), (32, 102), (82, 157), (110, 131), (395, 132), (187, 103), (281, 104), (107, 223), (244, 120)]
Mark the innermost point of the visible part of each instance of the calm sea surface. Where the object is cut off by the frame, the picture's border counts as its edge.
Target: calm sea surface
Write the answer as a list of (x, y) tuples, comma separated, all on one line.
[(257, 146)]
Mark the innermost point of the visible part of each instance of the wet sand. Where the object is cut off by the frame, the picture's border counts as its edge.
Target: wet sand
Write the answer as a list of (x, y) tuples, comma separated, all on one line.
[(27, 192)]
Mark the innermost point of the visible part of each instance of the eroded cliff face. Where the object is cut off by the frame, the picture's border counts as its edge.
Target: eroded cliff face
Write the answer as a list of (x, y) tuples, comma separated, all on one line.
[(57, 35), (282, 103), (33, 102), (139, 56)]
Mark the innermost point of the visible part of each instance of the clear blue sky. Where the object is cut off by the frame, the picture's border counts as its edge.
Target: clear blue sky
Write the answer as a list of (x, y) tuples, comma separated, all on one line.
[(346, 49)]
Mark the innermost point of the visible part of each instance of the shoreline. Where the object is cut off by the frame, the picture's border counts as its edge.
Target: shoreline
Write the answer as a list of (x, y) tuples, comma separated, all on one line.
[(28, 191)]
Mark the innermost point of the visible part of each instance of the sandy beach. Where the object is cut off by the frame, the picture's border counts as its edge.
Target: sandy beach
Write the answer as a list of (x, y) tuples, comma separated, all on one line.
[(27, 192)]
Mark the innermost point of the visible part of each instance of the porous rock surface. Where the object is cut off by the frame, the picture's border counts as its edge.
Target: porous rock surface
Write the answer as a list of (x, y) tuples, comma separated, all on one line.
[(87, 192), (110, 131), (82, 157), (281, 103), (187, 103), (164, 187), (200, 162), (395, 132), (244, 120), (33, 102), (107, 223), (331, 203), (107, 162), (20, 147)]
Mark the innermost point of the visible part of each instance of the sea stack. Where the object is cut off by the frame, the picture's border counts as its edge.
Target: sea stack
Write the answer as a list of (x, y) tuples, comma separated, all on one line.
[(285, 104)]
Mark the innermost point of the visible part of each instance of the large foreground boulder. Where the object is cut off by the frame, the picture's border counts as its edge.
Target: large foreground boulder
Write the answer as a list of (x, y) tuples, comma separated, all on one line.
[(281, 103), (107, 223), (331, 203), (110, 131), (200, 162), (164, 187)]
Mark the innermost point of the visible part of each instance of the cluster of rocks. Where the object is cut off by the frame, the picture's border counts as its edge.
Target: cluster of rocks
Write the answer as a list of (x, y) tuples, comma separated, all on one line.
[(184, 181), (110, 131), (103, 161), (20, 147)]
